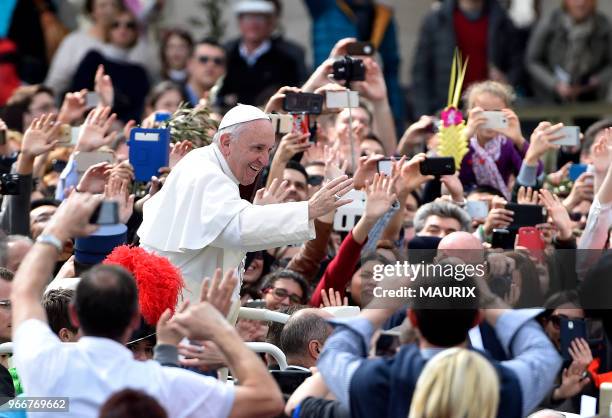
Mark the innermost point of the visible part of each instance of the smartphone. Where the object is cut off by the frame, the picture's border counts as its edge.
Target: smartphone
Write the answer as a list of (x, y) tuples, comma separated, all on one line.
[(310, 103), (571, 136), (477, 209), (576, 170), (531, 238), (10, 184), (300, 123), (438, 166), (385, 166), (149, 151), (495, 120), (84, 160), (282, 123), (571, 329), (107, 213), (3, 137), (360, 48), (92, 99), (526, 215), (502, 238), (341, 99)]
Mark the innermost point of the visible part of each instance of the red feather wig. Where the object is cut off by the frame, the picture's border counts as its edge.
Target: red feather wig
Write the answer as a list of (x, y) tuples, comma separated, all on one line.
[(159, 282)]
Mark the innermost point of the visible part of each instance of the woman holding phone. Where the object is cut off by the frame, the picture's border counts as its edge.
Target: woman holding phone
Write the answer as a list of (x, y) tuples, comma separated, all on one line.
[(496, 143)]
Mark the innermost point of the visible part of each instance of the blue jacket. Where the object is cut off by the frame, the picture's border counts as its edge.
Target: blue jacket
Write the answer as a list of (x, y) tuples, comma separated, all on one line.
[(384, 387)]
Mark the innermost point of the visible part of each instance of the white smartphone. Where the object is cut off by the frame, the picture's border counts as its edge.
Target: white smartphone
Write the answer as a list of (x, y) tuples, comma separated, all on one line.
[(495, 120), (477, 209), (341, 99), (605, 398), (92, 99), (385, 166), (571, 136), (282, 123)]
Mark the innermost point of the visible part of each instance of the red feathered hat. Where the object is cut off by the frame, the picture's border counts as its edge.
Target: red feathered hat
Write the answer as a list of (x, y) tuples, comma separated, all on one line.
[(159, 282)]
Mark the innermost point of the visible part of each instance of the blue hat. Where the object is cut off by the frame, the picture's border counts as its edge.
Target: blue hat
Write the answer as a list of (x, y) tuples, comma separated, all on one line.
[(94, 248)]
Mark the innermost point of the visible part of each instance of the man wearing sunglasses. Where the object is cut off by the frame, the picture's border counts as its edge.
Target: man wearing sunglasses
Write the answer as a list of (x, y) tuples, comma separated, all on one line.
[(205, 67), (284, 288)]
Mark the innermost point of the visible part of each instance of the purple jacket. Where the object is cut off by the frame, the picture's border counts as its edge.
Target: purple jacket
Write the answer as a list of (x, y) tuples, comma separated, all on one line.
[(509, 162)]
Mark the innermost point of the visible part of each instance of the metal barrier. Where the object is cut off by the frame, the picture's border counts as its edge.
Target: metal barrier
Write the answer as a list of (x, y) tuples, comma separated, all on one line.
[(263, 315), (271, 349), (566, 113)]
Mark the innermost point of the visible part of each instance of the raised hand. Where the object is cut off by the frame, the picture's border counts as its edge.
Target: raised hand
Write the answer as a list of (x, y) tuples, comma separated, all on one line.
[(94, 179), (104, 87), (93, 132), (72, 217), (40, 137), (582, 190), (380, 196), (276, 192), (541, 141), (558, 213), (366, 168), (527, 196), (290, 145), (476, 119), (205, 356), (218, 292), (333, 167), (454, 186), (329, 197), (513, 131), (73, 106), (411, 175), (275, 103), (178, 151), (334, 299), (373, 87), (581, 355), (602, 152), (116, 190), (558, 176), (166, 334)]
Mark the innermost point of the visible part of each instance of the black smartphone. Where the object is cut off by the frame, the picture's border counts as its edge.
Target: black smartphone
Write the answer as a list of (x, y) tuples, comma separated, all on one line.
[(571, 329), (2, 137), (502, 238), (105, 214), (526, 215), (10, 184), (310, 103), (360, 48), (438, 166)]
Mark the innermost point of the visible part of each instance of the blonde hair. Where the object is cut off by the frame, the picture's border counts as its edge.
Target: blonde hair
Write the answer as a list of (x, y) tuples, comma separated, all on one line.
[(456, 383), (503, 91)]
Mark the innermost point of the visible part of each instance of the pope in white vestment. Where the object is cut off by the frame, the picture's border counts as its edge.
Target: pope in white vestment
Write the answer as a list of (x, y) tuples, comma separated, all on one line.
[(200, 223)]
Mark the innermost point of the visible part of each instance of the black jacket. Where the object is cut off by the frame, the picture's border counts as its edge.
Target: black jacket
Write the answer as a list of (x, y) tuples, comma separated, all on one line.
[(433, 57)]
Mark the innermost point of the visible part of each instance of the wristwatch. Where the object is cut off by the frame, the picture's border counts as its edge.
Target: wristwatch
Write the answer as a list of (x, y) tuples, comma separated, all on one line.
[(52, 240)]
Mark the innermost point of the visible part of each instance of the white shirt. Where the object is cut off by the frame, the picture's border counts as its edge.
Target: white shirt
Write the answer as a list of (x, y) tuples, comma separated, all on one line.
[(252, 57), (89, 371), (200, 223)]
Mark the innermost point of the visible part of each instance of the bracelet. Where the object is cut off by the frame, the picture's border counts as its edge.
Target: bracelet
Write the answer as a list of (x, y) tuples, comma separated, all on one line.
[(48, 239)]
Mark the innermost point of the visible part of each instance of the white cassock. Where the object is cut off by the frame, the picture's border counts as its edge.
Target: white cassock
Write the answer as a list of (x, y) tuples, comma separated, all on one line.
[(200, 223)]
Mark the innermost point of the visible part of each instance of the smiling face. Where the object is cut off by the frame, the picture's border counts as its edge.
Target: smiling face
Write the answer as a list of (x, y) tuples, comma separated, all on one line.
[(249, 151)]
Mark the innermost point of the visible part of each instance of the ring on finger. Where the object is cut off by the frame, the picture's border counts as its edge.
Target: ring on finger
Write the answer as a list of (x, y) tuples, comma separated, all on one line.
[(336, 197)]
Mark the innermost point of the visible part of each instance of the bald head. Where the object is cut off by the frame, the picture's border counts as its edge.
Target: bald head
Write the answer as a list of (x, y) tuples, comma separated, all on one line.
[(461, 245)]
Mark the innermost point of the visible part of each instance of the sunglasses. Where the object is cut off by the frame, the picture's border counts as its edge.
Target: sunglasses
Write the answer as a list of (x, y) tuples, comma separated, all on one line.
[(282, 294), (129, 24), (218, 61), (5, 303), (576, 216)]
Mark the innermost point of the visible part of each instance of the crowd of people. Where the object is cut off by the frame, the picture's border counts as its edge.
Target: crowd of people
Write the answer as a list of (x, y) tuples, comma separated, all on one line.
[(264, 271)]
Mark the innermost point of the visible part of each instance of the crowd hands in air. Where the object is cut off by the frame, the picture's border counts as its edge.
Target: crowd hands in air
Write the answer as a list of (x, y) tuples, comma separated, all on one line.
[(521, 361)]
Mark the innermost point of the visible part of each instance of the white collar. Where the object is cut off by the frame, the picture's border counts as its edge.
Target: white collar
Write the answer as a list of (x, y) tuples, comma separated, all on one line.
[(222, 161), (251, 58), (112, 347)]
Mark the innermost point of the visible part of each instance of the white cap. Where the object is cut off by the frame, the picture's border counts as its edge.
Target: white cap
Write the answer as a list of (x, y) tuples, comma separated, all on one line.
[(240, 114), (254, 6)]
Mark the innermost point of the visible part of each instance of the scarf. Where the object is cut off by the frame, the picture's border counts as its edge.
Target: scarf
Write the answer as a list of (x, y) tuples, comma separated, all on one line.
[(484, 166), (578, 59)]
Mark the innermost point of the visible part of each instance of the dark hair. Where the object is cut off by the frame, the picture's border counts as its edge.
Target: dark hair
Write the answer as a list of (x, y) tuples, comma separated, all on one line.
[(89, 6), (531, 293), (294, 165), (106, 300), (270, 279), (184, 35), (275, 329), (210, 41), (19, 103), (591, 133), (445, 322), (56, 304), (300, 330), (6, 274), (486, 189), (130, 403), (373, 137), (160, 89), (43, 202)]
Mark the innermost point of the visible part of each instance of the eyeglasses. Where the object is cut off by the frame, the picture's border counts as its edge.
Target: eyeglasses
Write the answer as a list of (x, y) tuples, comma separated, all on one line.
[(218, 61), (283, 293), (130, 24), (5, 303)]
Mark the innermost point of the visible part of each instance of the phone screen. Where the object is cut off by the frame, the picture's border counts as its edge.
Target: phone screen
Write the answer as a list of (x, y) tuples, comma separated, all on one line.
[(385, 166)]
